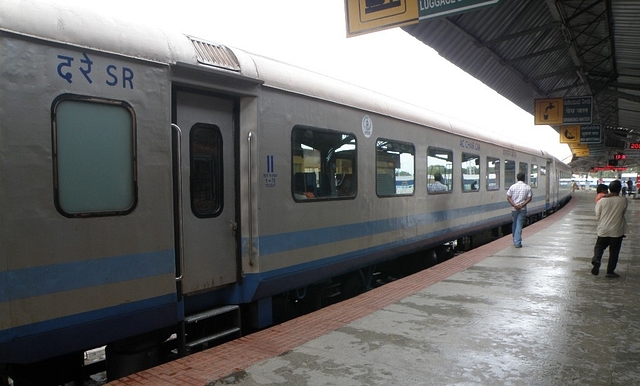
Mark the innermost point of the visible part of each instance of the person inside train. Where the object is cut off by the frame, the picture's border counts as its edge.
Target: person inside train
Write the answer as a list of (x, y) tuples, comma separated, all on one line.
[(309, 192), (437, 185), (345, 186)]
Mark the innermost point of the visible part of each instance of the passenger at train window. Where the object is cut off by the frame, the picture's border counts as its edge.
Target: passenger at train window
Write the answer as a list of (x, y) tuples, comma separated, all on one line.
[(345, 187), (437, 185), (439, 170), (309, 192), (470, 172)]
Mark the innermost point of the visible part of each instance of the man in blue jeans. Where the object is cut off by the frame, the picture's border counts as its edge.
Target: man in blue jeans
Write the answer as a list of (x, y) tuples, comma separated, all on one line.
[(519, 195)]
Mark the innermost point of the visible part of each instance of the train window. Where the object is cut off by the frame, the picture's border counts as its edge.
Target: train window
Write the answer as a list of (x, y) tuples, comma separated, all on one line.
[(470, 172), (439, 170), (394, 168), (533, 179), (524, 168), (205, 149), (493, 173), (94, 156), (323, 164), (509, 173)]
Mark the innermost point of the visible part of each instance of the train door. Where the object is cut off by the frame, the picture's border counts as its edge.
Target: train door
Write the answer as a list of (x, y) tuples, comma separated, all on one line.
[(206, 223), (549, 194)]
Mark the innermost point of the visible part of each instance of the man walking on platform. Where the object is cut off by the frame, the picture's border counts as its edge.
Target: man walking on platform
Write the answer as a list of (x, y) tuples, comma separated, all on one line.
[(519, 195), (612, 226)]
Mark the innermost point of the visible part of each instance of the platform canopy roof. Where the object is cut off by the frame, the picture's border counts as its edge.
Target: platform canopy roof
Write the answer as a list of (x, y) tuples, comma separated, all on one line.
[(536, 49)]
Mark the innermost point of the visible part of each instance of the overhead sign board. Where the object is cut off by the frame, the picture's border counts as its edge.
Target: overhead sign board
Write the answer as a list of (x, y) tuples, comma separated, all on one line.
[(548, 112), (582, 134), (437, 8), (565, 111), (579, 149), (590, 134), (578, 110), (608, 168), (364, 16), (570, 134), (633, 153)]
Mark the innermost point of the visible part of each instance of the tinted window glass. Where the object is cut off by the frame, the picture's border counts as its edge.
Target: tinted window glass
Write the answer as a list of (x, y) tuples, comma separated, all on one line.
[(470, 172), (439, 170), (94, 157), (323, 164), (206, 170), (493, 173), (509, 173), (394, 168)]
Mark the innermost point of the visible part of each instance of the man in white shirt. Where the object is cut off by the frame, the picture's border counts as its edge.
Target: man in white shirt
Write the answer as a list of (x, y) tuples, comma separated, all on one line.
[(519, 195), (437, 186), (612, 226)]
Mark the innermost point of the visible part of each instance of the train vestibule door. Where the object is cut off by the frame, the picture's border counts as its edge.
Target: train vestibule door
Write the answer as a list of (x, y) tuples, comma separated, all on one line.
[(206, 240), (550, 196)]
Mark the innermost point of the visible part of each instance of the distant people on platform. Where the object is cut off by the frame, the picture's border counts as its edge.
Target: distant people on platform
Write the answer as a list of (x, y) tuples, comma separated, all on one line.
[(611, 229), (519, 195), (629, 186), (437, 186)]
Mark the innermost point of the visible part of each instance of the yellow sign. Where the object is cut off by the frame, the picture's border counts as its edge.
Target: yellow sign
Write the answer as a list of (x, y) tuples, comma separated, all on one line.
[(581, 152), (548, 112), (579, 149), (578, 146), (364, 16), (570, 134)]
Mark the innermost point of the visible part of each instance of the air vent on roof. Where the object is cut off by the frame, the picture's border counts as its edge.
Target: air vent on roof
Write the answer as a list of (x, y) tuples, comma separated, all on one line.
[(215, 55)]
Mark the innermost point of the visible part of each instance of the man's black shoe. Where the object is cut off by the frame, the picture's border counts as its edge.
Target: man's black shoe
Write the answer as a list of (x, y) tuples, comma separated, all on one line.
[(612, 275), (596, 269)]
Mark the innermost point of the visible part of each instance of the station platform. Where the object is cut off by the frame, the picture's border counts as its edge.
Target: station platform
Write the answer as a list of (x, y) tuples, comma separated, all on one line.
[(496, 315)]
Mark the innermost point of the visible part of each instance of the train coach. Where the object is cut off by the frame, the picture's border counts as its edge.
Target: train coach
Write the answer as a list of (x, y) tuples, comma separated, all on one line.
[(158, 185)]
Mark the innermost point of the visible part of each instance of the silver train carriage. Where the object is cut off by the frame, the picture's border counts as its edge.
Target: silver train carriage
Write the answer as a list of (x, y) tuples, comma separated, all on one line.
[(150, 181)]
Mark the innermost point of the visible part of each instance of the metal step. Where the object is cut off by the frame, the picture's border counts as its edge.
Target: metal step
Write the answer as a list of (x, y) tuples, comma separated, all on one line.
[(331, 291), (213, 337), (206, 327), (211, 313)]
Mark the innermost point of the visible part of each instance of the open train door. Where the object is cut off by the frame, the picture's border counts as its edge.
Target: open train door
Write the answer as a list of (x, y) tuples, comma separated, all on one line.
[(206, 211)]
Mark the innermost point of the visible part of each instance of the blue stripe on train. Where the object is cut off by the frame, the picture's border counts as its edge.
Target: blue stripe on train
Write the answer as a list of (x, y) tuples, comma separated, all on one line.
[(37, 281), (267, 283), (279, 243)]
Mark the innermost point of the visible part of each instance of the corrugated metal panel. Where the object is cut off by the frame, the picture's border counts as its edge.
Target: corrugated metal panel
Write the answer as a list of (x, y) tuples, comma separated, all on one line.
[(552, 48), (216, 55), (626, 30)]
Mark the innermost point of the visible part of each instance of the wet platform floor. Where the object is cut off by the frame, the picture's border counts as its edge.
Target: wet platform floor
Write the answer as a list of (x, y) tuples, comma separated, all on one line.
[(496, 315)]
